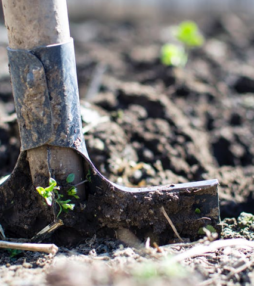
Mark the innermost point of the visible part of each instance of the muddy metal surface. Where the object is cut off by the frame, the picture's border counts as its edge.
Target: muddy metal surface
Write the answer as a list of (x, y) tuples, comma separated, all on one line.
[(149, 124)]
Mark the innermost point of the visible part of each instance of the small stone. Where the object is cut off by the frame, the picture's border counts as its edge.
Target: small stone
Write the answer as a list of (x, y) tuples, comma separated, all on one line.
[(137, 175), (230, 221), (148, 155), (93, 252), (27, 265), (98, 144), (245, 219)]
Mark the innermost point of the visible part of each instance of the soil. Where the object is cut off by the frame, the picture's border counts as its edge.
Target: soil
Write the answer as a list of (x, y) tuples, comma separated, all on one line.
[(154, 125)]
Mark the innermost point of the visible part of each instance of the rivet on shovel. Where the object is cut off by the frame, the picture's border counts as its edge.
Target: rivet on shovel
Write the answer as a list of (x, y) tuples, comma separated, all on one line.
[(43, 74)]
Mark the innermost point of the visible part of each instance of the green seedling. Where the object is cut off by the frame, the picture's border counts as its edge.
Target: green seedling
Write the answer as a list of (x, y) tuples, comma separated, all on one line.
[(208, 227), (70, 178), (162, 269), (52, 192), (197, 211), (188, 33), (73, 192), (14, 252), (173, 55), (47, 193), (188, 36)]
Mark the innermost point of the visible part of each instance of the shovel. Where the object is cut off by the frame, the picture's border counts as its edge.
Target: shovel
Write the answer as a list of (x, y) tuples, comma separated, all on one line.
[(44, 82)]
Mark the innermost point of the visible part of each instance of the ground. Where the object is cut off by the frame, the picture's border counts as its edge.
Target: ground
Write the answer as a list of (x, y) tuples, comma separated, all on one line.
[(154, 125)]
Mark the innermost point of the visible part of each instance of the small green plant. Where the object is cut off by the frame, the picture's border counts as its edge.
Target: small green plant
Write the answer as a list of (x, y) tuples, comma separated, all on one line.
[(52, 193), (188, 33), (197, 211), (162, 269), (208, 227), (70, 178), (173, 55), (188, 36), (14, 252)]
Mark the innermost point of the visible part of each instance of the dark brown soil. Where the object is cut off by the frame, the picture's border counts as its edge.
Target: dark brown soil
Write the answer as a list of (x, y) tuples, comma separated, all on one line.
[(155, 125), (179, 124)]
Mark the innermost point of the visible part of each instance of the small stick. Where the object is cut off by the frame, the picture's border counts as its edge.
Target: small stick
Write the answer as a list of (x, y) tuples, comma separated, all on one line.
[(160, 250), (46, 231), (40, 247), (171, 223), (202, 249), (247, 264), (78, 184), (147, 244), (207, 282)]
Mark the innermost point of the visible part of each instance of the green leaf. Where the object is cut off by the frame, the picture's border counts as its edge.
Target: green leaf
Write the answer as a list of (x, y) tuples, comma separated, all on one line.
[(68, 206), (201, 231), (49, 200), (41, 191), (197, 211), (52, 182), (173, 55), (70, 178), (72, 191), (211, 228), (49, 189), (64, 202), (14, 252), (52, 185), (188, 33), (208, 227)]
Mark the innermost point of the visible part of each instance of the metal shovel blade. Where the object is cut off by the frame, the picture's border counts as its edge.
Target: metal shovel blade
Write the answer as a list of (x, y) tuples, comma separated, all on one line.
[(109, 207), (190, 206)]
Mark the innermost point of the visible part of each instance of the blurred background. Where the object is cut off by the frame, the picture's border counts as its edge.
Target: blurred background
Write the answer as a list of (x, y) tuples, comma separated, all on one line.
[(79, 9)]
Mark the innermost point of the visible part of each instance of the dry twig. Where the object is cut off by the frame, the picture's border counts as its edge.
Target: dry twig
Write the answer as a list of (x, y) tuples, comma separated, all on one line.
[(201, 249), (233, 272), (171, 223), (160, 250), (40, 247)]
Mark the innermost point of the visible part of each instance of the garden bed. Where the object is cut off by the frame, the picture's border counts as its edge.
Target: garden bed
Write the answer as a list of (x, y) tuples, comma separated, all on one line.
[(154, 125)]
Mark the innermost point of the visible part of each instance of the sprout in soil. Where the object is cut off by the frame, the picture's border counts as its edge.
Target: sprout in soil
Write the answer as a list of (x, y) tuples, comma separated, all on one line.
[(52, 192), (188, 36), (188, 33), (173, 55)]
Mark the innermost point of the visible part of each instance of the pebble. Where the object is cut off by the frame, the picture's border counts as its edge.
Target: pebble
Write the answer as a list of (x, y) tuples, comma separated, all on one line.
[(27, 265)]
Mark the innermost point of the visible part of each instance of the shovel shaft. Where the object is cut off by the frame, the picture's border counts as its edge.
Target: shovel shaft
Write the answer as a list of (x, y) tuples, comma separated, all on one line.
[(30, 24), (33, 23)]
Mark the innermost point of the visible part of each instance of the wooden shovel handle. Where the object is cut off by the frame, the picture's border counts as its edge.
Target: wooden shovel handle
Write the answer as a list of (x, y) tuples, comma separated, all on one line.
[(33, 23)]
